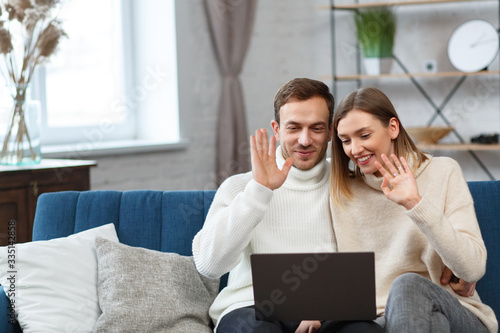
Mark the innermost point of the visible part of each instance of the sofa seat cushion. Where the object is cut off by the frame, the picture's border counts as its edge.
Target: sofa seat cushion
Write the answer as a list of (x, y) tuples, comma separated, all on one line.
[(143, 290), (52, 284)]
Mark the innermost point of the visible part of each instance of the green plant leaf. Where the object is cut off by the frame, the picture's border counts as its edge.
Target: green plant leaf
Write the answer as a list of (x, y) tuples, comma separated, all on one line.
[(375, 31)]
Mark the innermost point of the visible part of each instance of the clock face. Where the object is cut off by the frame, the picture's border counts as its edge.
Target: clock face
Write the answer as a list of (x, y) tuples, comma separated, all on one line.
[(473, 46)]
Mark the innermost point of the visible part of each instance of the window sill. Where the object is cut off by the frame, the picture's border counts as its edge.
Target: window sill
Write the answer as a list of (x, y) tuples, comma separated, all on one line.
[(87, 149)]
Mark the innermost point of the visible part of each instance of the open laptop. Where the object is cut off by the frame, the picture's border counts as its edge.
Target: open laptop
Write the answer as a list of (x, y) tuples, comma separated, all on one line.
[(314, 286)]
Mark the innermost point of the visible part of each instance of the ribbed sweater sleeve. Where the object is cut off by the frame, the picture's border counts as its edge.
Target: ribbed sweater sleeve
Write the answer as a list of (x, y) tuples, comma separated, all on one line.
[(453, 232), (455, 236), (238, 207)]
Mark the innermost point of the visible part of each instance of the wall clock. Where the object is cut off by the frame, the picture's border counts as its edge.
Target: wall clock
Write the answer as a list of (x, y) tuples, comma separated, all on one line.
[(473, 46)]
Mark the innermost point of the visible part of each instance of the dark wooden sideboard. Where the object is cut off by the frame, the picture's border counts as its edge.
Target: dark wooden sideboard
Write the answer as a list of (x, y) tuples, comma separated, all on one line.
[(20, 187)]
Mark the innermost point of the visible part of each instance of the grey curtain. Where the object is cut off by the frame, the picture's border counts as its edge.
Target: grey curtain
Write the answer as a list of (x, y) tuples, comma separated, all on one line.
[(230, 25)]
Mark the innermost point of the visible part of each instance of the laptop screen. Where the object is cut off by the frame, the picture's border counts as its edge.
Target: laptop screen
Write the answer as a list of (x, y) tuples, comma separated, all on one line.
[(314, 286)]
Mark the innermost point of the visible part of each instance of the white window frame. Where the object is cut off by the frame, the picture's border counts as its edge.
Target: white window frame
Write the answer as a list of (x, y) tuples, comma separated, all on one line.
[(151, 89)]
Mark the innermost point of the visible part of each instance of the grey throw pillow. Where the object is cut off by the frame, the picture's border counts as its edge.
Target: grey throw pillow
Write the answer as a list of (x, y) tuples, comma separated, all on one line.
[(142, 290)]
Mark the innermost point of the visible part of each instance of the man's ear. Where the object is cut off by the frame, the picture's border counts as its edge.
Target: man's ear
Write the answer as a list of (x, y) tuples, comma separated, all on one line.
[(276, 129)]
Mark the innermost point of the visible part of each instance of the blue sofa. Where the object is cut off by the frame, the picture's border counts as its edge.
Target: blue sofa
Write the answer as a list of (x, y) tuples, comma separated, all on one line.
[(168, 221)]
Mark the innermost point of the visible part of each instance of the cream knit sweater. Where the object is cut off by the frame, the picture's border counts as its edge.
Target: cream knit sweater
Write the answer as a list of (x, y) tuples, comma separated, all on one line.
[(246, 217), (441, 230)]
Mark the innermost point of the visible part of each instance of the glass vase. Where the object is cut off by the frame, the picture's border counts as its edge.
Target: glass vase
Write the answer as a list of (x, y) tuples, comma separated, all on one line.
[(21, 143)]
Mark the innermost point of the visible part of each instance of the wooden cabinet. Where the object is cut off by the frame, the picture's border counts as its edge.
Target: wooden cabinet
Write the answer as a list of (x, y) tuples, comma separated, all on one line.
[(20, 187)]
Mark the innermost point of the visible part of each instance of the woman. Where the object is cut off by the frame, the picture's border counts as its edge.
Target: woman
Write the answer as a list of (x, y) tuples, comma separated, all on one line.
[(414, 211)]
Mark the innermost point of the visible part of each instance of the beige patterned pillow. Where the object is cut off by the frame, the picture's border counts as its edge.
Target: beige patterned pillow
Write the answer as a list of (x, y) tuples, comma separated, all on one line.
[(142, 290)]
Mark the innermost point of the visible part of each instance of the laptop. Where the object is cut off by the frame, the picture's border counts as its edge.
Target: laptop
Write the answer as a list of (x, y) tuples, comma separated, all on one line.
[(314, 286)]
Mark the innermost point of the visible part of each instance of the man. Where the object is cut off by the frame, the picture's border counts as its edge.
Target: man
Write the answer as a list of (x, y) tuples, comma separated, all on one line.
[(281, 206), (270, 209)]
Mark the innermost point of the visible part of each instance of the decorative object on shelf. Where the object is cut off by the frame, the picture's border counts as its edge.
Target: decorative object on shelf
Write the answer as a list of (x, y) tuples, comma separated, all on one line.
[(428, 134), (375, 31), (29, 35), (485, 139), (473, 46)]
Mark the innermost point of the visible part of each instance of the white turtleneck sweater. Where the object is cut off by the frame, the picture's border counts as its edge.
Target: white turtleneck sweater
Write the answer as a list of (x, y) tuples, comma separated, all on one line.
[(246, 217), (440, 230)]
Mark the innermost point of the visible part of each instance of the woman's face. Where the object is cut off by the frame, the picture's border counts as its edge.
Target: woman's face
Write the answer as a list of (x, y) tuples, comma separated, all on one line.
[(364, 139)]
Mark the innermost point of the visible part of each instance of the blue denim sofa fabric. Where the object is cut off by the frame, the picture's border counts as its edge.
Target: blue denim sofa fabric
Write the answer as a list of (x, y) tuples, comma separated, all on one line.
[(486, 196), (163, 221)]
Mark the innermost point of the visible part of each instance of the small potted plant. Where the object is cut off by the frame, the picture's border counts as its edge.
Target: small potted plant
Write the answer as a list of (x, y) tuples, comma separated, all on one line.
[(375, 31)]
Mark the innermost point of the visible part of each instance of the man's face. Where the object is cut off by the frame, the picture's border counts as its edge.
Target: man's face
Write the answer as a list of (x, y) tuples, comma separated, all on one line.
[(303, 131)]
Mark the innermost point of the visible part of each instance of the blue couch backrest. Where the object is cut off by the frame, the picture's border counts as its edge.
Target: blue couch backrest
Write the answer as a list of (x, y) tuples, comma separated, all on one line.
[(163, 221), (486, 196)]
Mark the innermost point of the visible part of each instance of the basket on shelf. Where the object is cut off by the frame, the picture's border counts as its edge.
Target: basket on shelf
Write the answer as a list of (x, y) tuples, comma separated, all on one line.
[(429, 134)]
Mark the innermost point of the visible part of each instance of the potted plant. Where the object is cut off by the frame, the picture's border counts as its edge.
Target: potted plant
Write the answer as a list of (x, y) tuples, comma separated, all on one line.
[(375, 31)]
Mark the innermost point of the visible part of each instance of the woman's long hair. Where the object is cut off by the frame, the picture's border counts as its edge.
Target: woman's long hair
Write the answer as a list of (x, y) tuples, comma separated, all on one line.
[(375, 102)]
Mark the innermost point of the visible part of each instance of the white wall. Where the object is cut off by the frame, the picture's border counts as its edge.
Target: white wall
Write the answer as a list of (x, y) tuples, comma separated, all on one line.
[(292, 39)]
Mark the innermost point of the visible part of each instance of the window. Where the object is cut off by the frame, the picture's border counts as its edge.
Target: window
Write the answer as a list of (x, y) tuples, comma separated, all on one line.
[(114, 77)]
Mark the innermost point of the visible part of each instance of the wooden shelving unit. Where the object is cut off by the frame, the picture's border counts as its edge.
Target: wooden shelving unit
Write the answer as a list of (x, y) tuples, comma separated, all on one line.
[(352, 77)]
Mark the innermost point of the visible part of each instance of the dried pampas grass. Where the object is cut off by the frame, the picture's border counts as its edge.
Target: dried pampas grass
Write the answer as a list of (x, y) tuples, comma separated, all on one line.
[(48, 40), (41, 33), (19, 7), (5, 41), (46, 3)]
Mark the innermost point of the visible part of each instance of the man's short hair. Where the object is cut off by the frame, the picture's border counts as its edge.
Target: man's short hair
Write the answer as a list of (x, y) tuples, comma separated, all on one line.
[(303, 89)]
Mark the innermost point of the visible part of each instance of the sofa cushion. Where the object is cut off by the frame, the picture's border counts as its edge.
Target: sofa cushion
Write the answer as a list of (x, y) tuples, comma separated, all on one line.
[(143, 290), (53, 283)]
